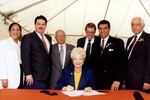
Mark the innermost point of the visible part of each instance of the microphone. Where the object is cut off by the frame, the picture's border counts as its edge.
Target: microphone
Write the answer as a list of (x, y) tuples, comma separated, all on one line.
[(137, 96)]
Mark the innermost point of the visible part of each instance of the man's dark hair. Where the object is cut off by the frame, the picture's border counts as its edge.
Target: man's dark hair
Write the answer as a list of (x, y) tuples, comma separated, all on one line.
[(90, 25), (40, 17), (103, 22)]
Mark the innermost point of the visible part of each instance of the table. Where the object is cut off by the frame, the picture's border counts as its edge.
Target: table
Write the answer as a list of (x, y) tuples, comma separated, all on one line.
[(27, 94)]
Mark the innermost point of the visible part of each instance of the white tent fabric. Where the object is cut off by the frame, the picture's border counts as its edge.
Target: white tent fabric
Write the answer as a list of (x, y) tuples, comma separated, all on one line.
[(73, 15)]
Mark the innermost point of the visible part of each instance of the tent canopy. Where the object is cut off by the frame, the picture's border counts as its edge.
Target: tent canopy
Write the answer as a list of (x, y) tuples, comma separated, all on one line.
[(73, 15)]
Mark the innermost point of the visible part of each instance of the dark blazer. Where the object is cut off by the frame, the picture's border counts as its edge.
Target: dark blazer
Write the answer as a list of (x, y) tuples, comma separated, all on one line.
[(67, 78), (109, 66), (95, 45), (56, 64), (35, 60), (138, 69)]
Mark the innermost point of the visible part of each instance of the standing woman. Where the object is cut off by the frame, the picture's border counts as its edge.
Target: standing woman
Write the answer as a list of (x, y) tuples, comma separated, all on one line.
[(10, 71)]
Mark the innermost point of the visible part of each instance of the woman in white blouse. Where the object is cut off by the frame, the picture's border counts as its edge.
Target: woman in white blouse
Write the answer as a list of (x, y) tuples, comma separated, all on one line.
[(10, 58)]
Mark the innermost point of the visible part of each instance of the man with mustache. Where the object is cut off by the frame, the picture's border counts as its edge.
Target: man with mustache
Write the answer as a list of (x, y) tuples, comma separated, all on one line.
[(35, 56)]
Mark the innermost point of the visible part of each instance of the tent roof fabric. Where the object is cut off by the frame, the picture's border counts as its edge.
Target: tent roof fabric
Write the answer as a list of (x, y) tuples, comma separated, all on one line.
[(73, 15)]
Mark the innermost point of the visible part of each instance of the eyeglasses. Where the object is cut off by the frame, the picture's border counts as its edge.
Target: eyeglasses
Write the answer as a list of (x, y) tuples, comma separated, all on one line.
[(136, 24)]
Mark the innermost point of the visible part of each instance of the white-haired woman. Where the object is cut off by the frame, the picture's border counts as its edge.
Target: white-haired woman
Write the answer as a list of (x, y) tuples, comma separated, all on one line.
[(77, 77)]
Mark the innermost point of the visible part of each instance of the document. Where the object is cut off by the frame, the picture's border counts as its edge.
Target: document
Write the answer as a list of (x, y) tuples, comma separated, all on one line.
[(82, 93)]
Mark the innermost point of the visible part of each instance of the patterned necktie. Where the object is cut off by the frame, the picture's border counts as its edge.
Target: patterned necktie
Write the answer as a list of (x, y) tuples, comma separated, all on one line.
[(45, 46), (88, 49), (102, 45), (61, 55), (131, 45)]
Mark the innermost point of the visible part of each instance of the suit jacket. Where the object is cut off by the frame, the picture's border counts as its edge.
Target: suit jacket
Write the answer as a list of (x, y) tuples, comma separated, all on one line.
[(81, 42), (56, 64), (67, 78), (110, 65), (35, 60), (138, 69), (9, 63)]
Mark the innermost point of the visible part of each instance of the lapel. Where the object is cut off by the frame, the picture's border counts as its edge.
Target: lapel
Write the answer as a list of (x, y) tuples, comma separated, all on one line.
[(57, 56), (49, 40), (82, 79), (94, 43), (67, 55), (71, 78), (128, 42), (11, 46), (39, 41), (138, 43), (83, 42), (108, 44)]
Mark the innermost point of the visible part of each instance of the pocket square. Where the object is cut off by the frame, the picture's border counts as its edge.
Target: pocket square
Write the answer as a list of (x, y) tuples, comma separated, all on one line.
[(111, 50)]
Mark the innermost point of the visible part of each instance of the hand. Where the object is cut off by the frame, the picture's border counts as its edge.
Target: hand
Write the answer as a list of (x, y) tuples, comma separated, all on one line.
[(4, 83), (29, 79), (87, 89), (146, 86), (64, 88), (115, 85), (70, 88)]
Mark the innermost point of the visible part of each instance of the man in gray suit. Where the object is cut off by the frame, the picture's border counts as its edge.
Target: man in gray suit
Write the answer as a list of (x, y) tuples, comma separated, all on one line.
[(60, 57)]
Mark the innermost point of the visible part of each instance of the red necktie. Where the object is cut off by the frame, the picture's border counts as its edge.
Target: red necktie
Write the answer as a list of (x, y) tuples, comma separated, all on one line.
[(45, 46)]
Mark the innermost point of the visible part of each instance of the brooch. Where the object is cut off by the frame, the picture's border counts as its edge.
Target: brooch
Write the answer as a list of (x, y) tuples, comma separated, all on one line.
[(141, 39), (108, 44)]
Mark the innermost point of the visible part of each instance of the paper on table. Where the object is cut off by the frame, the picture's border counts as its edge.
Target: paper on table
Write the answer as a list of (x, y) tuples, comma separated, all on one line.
[(82, 93)]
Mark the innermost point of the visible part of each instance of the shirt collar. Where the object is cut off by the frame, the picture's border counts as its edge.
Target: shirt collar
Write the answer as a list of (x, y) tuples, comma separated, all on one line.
[(105, 39), (39, 34), (62, 45), (92, 40), (138, 35)]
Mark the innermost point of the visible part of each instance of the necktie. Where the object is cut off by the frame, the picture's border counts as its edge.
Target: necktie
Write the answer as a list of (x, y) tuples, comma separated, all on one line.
[(102, 45), (61, 55), (88, 49), (131, 45), (45, 46)]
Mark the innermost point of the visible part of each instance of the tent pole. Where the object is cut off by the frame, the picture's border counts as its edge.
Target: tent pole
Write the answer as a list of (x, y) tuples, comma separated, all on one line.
[(144, 8), (107, 9), (62, 10)]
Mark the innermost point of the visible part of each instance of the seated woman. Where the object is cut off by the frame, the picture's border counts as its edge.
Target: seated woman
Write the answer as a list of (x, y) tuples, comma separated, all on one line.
[(77, 77)]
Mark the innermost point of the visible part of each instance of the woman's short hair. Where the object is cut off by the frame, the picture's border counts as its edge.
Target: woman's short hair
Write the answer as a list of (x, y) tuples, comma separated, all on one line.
[(78, 50)]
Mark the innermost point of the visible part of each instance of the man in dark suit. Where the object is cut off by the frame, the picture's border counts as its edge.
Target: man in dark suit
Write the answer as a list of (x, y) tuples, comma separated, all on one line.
[(35, 56), (57, 65), (83, 42), (108, 67), (138, 66)]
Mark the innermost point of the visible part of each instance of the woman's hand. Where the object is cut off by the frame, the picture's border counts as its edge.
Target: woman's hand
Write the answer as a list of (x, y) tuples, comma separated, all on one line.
[(88, 89), (5, 83), (69, 88)]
